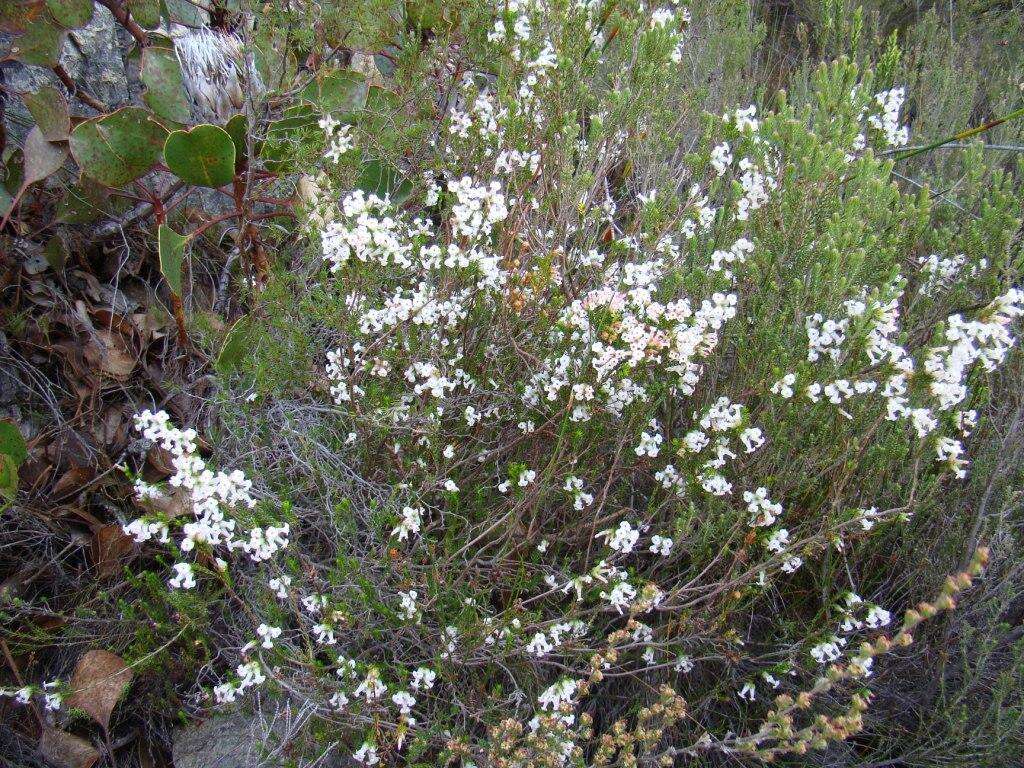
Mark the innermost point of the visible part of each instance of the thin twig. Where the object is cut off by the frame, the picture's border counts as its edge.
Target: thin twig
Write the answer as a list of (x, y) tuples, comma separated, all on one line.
[(958, 145), (965, 134), (76, 91), (136, 214)]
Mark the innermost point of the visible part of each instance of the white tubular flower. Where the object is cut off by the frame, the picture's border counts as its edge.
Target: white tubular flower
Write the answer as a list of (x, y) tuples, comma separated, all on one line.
[(412, 519), (784, 386), (683, 664), (52, 699), (621, 539), (661, 545), (407, 604), (324, 634), (371, 688), (422, 679), (763, 510), (620, 596), (539, 645), (366, 754), (183, 577), (268, 634), (558, 695), (405, 701), (752, 439), (280, 585), (827, 650)]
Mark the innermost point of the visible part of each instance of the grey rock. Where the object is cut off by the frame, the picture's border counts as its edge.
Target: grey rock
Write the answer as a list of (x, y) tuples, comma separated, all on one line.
[(270, 737), (222, 741), (19, 78), (95, 56)]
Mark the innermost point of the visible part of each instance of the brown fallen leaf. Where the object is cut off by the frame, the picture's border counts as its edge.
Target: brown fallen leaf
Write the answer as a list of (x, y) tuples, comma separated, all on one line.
[(114, 356), (98, 682), (72, 482), (110, 544), (42, 157), (172, 503), (110, 430), (64, 750)]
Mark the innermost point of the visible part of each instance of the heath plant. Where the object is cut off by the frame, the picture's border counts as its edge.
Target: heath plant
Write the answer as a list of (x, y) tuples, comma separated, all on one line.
[(562, 463)]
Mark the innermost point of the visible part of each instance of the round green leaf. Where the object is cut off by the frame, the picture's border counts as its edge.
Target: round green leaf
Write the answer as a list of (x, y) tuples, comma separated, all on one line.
[(70, 14), (50, 110), (146, 12), (117, 148), (6, 201), (383, 180), (204, 155), (341, 92), (12, 170), (274, 57), (40, 43), (187, 12), (165, 91), (433, 15), (56, 252), (13, 452), (299, 122), (82, 203), (8, 478), (12, 444)]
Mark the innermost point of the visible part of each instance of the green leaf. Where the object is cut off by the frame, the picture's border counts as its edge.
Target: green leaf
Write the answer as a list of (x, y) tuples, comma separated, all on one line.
[(82, 203), (12, 169), (8, 478), (18, 15), (381, 100), (274, 57), (71, 14), (171, 247), (41, 157), (238, 128), (204, 155), (296, 118), (40, 43), (146, 12), (383, 180), (165, 91), (433, 15), (56, 252), (341, 92), (50, 110), (284, 135), (236, 345), (12, 444), (380, 117), (118, 148), (187, 12), (13, 452)]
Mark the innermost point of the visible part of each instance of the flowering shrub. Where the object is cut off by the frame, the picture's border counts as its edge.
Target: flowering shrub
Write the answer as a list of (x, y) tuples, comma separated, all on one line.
[(602, 471)]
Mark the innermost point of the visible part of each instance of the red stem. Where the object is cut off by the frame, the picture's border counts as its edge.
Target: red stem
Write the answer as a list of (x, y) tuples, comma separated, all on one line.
[(123, 18)]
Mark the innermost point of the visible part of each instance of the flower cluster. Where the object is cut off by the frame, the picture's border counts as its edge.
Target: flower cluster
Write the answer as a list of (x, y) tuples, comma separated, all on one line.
[(212, 495), (584, 425)]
